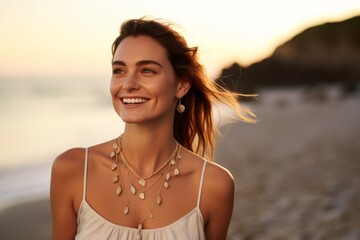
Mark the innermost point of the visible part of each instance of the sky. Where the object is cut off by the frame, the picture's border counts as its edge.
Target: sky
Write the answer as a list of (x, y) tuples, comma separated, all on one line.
[(72, 38)]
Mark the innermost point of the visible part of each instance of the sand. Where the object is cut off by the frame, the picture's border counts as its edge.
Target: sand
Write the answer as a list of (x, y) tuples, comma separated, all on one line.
[(30, 221), (296, 172)]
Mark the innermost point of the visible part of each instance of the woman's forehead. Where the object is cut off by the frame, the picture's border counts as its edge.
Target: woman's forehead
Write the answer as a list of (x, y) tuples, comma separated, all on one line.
[(140, 47)]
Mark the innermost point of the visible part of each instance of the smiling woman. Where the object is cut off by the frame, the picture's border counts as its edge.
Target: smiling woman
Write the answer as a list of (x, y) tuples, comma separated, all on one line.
[(142, 71), (161, 92)]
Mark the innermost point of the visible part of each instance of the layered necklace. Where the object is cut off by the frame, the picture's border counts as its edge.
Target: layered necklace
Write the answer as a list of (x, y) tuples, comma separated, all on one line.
[(139, 185)]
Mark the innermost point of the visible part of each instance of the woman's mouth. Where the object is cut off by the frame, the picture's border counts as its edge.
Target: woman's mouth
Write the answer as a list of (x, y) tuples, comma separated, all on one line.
[(134, 100)]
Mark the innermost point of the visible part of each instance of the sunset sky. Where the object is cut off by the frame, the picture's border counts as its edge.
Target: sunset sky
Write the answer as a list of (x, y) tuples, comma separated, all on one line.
[(72, 38)]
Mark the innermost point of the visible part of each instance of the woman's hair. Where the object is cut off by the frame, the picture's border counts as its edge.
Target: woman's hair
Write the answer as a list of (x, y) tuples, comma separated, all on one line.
[(194, 128)]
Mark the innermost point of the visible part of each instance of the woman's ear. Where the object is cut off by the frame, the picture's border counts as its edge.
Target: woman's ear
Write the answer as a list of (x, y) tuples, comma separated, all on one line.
[(182, 88)]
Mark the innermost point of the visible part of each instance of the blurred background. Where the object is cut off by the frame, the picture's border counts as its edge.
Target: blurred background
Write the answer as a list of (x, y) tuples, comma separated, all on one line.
[(296, 171)]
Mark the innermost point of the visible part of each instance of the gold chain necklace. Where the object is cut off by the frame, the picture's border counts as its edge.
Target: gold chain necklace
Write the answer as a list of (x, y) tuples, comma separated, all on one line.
[(134, 188), (142, 180), (170, 164)]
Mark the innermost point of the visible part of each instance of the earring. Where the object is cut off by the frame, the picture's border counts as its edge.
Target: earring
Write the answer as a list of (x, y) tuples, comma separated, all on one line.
[(180, 108)]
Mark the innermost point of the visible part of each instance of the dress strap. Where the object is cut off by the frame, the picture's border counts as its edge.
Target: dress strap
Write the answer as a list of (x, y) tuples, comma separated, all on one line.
[(201, 183), (85, 173)]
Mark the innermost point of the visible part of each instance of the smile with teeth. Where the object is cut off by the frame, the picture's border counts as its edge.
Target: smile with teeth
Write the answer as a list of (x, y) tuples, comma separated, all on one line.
[(134, 100)]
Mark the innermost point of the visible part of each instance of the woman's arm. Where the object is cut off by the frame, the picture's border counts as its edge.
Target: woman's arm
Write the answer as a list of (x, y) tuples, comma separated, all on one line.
[(66, 178), (218, 201)]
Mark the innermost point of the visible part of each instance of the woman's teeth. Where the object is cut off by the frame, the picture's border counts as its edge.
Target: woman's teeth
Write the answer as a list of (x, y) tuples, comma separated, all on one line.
[(134, 100)]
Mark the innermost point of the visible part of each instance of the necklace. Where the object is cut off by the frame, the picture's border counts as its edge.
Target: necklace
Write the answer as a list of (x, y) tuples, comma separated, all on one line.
[(142, 180), (168, 169)]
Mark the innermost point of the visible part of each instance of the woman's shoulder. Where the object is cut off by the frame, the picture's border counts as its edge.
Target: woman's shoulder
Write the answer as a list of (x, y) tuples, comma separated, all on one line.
[(69, 162), (218, 179), (218, 190), (67, 177), (216, 176), (73, 160)]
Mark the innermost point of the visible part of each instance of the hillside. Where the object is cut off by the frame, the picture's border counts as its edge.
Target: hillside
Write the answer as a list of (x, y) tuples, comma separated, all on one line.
[(327, 53)]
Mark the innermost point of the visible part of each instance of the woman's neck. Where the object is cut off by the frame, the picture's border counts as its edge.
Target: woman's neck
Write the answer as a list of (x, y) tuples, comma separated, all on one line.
[(147, 150)]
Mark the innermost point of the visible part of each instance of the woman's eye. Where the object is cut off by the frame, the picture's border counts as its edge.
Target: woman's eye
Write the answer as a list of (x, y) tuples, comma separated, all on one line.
[(118, 71), (148, 70)]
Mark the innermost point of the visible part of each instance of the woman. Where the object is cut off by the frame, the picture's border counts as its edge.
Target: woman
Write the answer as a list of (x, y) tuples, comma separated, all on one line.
[(152, 181)]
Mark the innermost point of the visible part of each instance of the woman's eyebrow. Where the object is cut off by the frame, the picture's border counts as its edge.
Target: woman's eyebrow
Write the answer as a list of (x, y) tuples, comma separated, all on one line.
[(147, 62), (139, 63), (120, 63)]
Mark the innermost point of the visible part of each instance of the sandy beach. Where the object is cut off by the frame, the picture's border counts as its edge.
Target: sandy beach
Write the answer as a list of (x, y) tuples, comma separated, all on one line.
[(296, 172), (31, 221)]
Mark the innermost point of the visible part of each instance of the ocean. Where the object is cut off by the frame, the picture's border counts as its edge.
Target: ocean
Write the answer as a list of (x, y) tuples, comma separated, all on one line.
[(40, 118)]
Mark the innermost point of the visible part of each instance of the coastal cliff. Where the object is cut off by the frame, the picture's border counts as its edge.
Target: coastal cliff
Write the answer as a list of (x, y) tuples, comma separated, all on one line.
[(327, 53)]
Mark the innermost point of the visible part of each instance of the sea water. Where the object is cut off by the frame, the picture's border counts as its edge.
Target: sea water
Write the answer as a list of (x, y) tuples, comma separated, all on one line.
[(40, 118)]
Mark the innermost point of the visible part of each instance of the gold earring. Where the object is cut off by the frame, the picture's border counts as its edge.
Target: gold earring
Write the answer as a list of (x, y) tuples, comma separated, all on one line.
[(180, 108)]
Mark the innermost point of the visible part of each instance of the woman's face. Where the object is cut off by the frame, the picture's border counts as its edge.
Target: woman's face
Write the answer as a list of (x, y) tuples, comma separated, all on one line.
[(143, 85)]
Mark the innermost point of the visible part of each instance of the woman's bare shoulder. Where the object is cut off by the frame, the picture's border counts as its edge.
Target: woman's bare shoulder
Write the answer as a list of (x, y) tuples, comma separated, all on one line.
[(219, 179), (218, 190), (69, 162), (72, 161), (216, 169), (216, 176)]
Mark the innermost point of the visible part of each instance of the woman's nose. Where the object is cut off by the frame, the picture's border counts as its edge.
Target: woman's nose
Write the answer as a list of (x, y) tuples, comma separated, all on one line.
[(131, 82)]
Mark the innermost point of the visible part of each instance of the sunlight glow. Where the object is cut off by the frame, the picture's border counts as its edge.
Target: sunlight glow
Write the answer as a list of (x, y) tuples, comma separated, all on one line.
[(73, 38)]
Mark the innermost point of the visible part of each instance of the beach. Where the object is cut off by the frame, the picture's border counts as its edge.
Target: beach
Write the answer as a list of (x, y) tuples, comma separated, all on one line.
[(296, 172), (30, 220)]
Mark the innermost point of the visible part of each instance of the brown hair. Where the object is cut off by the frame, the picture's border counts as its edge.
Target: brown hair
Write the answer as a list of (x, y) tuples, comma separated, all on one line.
[(194, 128)]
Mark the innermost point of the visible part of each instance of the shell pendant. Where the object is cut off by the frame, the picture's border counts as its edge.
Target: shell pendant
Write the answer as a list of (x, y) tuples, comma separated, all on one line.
[(142, 182), (132, 190), (138, 234), (142, 196), (118, 190), (115, 179), (126, 210)]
